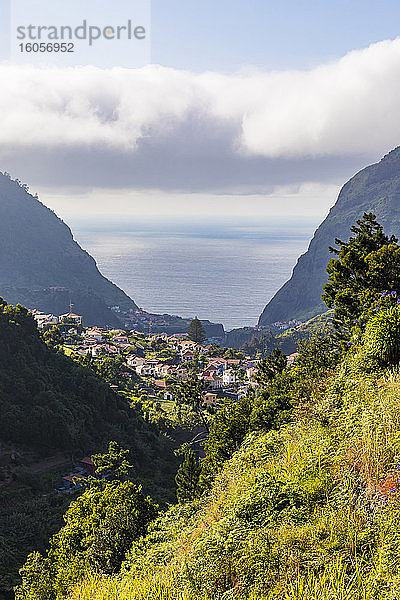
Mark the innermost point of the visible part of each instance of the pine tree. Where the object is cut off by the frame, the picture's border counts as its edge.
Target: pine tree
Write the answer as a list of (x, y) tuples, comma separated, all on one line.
[(187, 478), (350, 273), (196, 331)]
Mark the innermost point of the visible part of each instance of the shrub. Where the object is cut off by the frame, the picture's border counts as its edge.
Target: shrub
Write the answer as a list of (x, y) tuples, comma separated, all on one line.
[(382, 337)]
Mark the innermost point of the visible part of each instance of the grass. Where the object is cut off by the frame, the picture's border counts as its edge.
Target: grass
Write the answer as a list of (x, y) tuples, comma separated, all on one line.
[(303, 513)]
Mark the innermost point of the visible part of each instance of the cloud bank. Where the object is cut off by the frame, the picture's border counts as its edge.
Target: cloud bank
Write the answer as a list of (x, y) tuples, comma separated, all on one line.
[(158, 126)]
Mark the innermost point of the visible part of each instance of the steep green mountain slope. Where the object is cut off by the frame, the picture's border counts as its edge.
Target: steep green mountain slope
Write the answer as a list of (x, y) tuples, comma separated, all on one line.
[(52, 407), (48, 400), (374, 189), (298, 494), (303, 509), (42, 266)]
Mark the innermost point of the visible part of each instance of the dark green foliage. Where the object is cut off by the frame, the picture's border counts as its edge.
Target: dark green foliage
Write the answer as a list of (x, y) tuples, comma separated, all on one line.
[(53, 338), (46, 399), (350, 274), (190, 393), (49, 401), (100, 527), (231, 353), (111, 370), (196, 331), (227, 432), (271, 366), (187, 478), (317, 355), (260, 344), (26, 525)]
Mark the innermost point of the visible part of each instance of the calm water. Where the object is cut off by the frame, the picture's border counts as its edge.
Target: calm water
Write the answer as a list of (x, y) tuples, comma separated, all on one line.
[(225, 273)]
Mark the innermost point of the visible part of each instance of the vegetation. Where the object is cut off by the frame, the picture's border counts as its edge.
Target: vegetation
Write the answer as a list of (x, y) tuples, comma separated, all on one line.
[(196, 331), (187, 478), (51, 404), (43, 266), (353, 275), (297, 498), (374, 189)]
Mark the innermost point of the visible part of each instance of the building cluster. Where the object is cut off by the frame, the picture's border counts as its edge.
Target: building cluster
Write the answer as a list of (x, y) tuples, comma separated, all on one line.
[(220, 375), (180, 359), (42, 319)]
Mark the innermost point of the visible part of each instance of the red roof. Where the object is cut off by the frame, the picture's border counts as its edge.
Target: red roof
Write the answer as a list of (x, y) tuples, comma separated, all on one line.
[(160, 383)]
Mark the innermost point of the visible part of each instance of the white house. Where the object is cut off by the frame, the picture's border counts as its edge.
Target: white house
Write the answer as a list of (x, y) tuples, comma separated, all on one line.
[(43, 320), (291, 358), (135, 361), (94, 334), (213, 381), (229, 377)]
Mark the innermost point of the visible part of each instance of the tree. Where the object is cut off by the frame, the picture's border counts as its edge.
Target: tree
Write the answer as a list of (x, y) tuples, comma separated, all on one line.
[(196, 331), (53, 338), (100, 527), (111, 370), (350, 274), (191, 393), (187, 478), (271, 366), (114, 461), (262, 344)]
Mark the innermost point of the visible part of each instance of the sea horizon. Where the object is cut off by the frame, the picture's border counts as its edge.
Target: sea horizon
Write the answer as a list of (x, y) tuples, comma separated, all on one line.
[(225, 272)]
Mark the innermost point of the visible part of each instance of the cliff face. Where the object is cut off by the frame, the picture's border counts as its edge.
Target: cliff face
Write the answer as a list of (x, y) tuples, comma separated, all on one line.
[(42, 266), (374, 189)]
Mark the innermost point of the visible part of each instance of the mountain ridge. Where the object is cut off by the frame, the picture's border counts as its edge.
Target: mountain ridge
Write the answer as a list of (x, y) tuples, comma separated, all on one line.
[(42, 266), (40, 261), (376, 188)]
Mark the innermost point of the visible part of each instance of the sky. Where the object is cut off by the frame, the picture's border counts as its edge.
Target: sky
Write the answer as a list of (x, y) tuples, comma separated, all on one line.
[(246, 108)]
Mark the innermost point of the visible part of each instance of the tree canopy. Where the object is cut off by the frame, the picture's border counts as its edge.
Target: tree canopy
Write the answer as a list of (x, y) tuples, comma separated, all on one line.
[(362, 267), (196, 331)]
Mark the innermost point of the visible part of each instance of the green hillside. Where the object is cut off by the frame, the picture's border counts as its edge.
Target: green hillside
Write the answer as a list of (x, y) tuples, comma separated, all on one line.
[(375, 189), (298, 494), (42, 266), (53, 409)]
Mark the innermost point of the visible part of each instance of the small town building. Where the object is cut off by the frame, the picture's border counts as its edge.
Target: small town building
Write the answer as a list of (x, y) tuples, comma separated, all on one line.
[(71, 318), (229, 377), (120, 339), (291, 358), (214, 382), (209, 399), (44, 319)]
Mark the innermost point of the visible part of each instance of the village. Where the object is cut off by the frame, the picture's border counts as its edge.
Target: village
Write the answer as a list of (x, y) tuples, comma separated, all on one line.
[(153, 363)]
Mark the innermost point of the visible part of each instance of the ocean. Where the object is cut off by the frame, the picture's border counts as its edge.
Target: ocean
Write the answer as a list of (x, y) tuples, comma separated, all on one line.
[(224, 272)]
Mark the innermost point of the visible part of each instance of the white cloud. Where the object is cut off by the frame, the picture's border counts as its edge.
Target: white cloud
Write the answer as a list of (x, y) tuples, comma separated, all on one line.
[(108, 207), (349, 106)]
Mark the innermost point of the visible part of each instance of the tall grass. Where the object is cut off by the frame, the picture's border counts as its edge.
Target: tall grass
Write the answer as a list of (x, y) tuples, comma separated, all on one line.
[(335, 539)]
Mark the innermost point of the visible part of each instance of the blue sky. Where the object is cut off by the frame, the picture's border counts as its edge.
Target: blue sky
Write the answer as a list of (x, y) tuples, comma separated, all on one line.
[(224, 35)]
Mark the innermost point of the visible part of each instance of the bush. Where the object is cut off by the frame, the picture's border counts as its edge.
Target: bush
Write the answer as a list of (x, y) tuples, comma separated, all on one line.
[(382, 337)]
